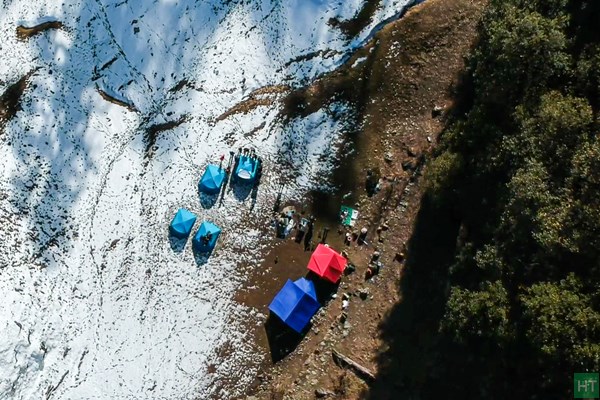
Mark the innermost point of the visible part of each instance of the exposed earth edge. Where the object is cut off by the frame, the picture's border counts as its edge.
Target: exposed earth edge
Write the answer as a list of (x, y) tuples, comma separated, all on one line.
[(403, 86)]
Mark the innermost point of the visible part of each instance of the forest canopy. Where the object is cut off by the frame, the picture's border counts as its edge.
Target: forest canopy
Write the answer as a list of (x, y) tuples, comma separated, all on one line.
[(519, 165)]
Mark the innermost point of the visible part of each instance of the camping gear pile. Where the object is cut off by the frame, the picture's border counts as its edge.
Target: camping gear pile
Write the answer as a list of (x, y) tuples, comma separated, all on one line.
[(286, 222)]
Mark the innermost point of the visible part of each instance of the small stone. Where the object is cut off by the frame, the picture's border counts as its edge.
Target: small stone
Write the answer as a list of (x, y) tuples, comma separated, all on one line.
[(343, 317), (320, 393), (363, 293), (409, 166), (388, 157)]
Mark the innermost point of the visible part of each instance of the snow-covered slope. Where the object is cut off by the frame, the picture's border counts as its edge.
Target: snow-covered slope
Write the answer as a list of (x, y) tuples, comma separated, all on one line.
[(96, 302)]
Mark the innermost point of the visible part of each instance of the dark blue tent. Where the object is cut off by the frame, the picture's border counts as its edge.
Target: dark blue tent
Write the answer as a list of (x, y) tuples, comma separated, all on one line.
[(212, 179), (182, 223), (296, 303), (206, 237)]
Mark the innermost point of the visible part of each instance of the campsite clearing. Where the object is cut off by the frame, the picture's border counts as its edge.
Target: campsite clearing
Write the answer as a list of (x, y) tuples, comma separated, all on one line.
[(410, 69)]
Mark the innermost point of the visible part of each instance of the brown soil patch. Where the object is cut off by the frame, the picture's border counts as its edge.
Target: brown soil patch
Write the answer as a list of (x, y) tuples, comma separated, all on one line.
[(153, 131), (10, 100), (25, 33), (355, 25), (401, 91)]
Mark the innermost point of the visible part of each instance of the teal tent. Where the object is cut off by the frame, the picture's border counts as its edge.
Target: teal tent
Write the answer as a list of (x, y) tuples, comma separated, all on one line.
[(205, 239), (212, 180), (247, 168), (182, 223)]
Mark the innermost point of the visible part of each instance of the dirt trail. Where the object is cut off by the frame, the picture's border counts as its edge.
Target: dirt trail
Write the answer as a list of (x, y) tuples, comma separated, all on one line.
[(402, 85)]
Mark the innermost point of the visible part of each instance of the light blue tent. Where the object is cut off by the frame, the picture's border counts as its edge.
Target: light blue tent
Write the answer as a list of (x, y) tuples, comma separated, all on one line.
[(296, 303), (247, 168), (206, 237), (212, 179), (182, 223)]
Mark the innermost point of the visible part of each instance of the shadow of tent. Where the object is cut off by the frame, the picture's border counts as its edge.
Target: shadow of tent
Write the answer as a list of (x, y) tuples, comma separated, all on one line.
[(177, 244), (282, 339), (323, 287), (207, 200), (241, 189), (201, 257)]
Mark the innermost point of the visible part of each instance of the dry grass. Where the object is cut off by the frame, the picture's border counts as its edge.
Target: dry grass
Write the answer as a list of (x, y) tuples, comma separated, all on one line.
[(24, 33), (114, 100), (10, 100), (264, 96)]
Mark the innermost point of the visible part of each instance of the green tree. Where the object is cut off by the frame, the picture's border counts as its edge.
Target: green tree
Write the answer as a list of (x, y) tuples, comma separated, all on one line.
[(561, 323), (520, 52), (478, 315)]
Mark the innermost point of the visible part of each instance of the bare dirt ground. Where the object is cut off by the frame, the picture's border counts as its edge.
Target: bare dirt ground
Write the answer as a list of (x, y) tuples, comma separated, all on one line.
[(402, 84)]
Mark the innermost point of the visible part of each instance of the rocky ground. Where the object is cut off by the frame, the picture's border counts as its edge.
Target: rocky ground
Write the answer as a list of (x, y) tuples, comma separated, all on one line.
[(403, 85)]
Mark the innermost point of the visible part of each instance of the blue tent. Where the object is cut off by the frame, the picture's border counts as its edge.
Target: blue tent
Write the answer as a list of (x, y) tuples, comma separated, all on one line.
[(246, 168), (212, 179), (296, 303), (206, 237), (182, 223)]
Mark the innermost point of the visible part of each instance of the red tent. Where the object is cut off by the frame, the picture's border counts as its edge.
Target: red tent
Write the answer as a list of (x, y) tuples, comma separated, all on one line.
[(326, 263)]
